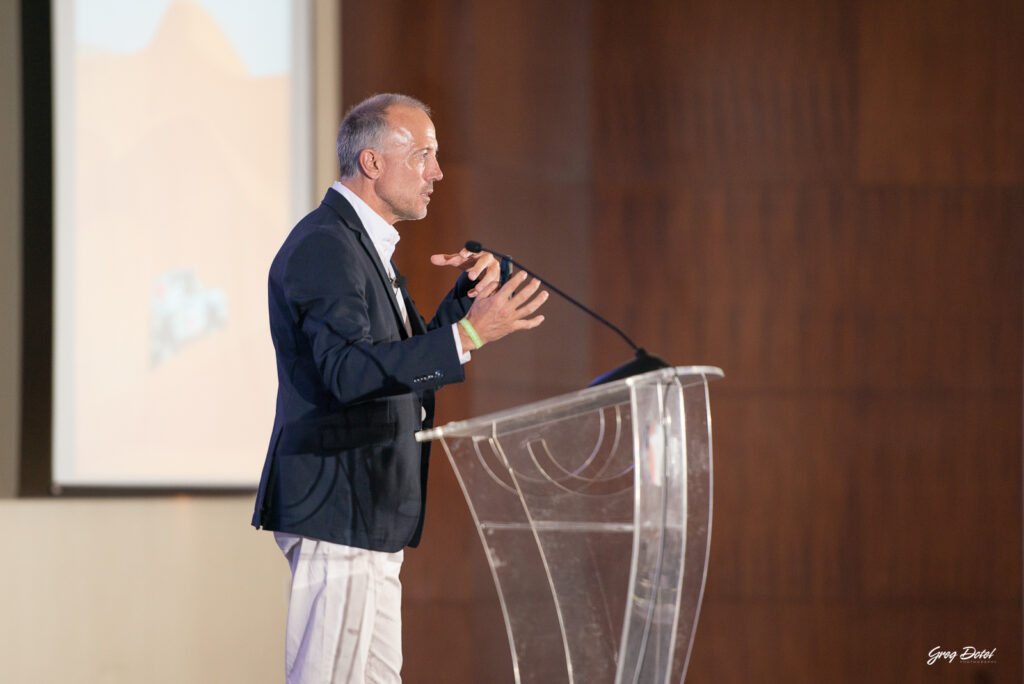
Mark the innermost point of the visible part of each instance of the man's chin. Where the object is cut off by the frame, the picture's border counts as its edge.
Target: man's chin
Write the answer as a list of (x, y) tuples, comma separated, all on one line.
[(414, 215)]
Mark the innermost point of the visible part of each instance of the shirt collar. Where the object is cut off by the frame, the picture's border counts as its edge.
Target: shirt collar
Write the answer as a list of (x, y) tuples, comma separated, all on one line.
[(382, 234)]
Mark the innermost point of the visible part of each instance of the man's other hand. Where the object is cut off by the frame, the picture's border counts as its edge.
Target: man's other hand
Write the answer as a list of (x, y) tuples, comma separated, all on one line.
[(482, 268)]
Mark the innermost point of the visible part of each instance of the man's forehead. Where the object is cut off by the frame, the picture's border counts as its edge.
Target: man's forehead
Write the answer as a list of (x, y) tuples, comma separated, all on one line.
[(411, 126)]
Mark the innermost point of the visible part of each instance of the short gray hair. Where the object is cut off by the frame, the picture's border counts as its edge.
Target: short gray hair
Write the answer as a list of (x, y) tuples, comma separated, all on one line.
[(364, 127)]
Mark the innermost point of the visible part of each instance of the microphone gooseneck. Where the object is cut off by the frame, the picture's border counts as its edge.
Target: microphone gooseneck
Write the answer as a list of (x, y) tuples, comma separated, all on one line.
[(476, 248), (642, 363)]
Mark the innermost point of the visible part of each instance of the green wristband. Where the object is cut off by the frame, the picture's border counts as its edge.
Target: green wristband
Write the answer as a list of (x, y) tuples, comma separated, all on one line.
[(471, 331)]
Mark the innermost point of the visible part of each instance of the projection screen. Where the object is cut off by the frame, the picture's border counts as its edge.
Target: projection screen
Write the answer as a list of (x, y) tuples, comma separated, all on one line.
[(182, 138)]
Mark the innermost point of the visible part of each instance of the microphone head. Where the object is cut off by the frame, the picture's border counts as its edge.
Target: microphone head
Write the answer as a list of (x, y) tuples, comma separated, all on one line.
[(474, 246)]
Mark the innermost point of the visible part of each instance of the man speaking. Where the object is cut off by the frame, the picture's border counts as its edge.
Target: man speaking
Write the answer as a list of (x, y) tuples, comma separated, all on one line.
[(344, 483)]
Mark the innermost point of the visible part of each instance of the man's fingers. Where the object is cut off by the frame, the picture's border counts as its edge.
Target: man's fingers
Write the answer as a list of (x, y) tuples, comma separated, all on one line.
[(483, 265), (485, 289), (532, 305), (529, 323), (509, 288), (487, 285), (526, 291), (444, 259)]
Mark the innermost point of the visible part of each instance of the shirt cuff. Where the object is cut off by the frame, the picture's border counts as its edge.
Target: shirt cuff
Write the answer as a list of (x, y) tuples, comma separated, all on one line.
[(464, 356)]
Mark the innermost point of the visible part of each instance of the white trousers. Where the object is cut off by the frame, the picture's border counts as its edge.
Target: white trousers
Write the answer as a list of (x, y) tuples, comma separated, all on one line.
[(344, 614)]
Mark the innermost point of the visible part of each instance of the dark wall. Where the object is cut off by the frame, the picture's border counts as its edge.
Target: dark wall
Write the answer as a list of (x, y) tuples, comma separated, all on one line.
[(824, 199)]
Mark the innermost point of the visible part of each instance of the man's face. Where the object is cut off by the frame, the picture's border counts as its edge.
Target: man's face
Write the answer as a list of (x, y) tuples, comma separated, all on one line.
[(409, 154)]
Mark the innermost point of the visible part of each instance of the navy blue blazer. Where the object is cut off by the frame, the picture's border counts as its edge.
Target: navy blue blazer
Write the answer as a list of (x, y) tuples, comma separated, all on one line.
[(343, 465)]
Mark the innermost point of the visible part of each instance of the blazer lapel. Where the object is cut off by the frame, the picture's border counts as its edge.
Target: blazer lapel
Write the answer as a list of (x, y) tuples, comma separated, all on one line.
[(349, 217), (416, 322), (371, 251)]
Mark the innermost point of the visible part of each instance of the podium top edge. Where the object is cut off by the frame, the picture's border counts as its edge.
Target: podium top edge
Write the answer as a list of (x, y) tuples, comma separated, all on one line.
[(701, 374)]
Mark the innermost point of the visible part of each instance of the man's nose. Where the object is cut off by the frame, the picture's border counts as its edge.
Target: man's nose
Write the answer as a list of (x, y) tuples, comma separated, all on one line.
[(434, 171)]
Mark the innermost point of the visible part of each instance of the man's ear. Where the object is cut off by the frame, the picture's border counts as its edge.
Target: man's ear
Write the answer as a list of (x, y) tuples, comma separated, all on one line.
[(370, 163)]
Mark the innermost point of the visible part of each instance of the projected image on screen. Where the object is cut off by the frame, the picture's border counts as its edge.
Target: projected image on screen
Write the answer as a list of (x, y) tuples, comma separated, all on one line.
[(182, 160)]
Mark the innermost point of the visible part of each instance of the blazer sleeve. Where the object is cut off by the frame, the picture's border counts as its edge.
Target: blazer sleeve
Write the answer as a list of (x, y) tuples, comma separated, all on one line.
[(325, 283), (455, 305)]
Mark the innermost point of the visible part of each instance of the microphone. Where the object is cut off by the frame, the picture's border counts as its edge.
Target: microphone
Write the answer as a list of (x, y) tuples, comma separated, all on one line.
[(641, 363)]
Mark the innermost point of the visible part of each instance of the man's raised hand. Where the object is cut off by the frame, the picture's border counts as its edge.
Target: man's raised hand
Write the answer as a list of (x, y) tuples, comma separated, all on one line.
[(507, 310)]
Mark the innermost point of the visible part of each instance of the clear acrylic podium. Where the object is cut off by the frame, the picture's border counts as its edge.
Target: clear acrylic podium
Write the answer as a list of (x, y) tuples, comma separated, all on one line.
[(594, 509)]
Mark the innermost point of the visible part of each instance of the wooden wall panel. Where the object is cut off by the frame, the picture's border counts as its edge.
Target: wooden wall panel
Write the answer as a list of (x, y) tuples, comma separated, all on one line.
[(876, 274), (863, 294), (824, 199), (940, 98), (721, 93)]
